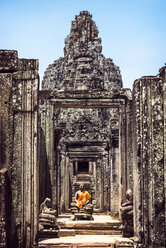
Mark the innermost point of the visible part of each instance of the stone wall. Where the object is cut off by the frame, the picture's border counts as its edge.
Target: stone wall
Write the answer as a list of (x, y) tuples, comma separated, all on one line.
[(18, 145), (149, 143)]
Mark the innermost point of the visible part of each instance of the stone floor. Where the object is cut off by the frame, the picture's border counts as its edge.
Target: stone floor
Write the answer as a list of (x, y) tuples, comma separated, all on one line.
[(87, 241), (97, 218)]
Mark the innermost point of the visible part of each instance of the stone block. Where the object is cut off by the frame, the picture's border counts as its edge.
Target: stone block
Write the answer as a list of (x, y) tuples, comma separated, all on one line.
[(122, 243), (66, 232), (8, 61), (28, 64), (48, 234)]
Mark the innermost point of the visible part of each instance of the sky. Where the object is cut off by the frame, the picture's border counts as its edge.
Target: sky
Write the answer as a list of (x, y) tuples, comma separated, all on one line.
[(133, 32)]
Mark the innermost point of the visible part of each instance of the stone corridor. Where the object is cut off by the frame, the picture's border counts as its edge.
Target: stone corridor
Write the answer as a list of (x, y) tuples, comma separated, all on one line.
[(81, 127)]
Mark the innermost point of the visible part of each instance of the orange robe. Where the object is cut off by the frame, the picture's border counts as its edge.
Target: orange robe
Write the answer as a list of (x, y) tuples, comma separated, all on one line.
[(83, 197)]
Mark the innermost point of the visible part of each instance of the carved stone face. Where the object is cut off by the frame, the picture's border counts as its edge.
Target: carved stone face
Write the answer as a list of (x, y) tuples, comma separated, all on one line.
[(48, 202), (83, 66), (129, 195)]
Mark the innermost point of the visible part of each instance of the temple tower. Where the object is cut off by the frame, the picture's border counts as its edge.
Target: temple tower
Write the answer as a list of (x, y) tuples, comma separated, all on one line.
[(83, 66), (81, 121)]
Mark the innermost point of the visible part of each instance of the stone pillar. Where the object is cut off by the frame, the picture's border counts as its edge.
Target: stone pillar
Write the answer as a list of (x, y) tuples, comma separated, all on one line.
[(25, 151), (71, 176), (47, 156), (98, 190), (149, 160), (6, 118), (76, 167), (62, 167), (5, 198), (122, 157), (66, 184), (106, 181), (129, 143), (19, 144), (90, 168), (115, 182), (125, 148)]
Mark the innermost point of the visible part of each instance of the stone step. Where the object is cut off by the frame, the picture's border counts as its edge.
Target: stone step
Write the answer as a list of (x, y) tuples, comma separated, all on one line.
[(97, 232), (84, 227), (88, 241), (48, 234), (66, 232), (92, 225)]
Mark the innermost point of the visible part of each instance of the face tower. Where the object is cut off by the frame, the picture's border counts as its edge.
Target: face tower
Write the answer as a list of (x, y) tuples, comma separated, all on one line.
[(80, 106), (83, 66)]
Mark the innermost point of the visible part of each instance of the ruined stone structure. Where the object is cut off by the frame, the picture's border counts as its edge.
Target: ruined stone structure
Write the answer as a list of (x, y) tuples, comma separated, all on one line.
[(83, 115), (18, 150), (149, 163), (127, 215), (47, 220), (83, 66), (81, 127)]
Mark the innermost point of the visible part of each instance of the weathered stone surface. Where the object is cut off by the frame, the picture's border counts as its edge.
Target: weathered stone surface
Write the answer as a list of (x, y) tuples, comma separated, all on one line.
[(101, 225), (86, 128), (5, 120), (18, 145), (88, 241), (8, 61), (66, 232), (5, 199), (47, 217), (91, 130), (83, 65), (47, 170), (84, 77), (127, 215), (149, 159)]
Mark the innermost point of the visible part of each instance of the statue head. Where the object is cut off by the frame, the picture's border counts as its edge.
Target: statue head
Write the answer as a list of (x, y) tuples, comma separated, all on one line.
[(47, 202), (82, 186), (129, 195)]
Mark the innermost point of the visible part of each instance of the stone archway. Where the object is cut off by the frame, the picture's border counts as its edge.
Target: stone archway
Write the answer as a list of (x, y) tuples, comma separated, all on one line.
[(85, 132)]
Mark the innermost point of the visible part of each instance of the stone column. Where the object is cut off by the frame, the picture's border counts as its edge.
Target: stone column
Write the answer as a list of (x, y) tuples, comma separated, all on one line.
[(98, 190), (71, 175), (66, 184), (122, 157), (106, 181), (90, 168), (25, 152), (5, 208), (149, 160), (62, 180), (125, 148), (47, 156), (115, 182), (19, 84)]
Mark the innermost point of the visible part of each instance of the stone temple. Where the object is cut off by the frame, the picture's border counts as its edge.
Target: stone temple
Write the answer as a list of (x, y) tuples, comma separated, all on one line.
[(82, 127)]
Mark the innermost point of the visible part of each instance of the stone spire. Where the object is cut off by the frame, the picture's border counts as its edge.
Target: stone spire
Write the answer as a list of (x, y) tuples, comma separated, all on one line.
[(83, 66), (83, 38)]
